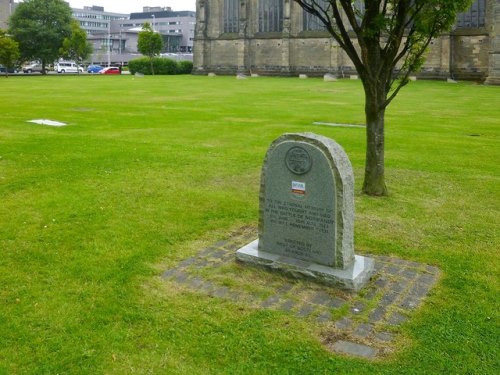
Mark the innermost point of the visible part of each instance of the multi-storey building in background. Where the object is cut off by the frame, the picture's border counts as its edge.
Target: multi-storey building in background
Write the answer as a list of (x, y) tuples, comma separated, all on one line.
[(7, 7), (176, 27), (94, 20), (98, 23), (114, 35)]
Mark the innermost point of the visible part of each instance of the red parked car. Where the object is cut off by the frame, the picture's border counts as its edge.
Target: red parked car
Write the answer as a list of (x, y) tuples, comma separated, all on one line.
[(110, 70)]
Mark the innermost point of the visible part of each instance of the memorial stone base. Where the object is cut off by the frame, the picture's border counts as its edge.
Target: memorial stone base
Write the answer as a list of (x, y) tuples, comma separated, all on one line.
[(352, 278)]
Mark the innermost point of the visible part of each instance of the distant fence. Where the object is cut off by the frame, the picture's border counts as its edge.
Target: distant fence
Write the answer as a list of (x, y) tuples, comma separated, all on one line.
[(178, 56)]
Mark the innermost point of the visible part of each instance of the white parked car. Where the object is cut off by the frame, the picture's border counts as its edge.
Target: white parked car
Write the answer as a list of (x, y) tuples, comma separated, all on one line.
[(67, 67)]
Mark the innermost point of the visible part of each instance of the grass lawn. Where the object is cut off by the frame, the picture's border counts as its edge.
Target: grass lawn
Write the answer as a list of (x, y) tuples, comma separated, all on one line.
[(152, 170)]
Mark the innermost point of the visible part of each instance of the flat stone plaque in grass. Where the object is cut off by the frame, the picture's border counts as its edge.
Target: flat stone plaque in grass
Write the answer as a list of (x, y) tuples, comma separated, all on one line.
[(306, 213)]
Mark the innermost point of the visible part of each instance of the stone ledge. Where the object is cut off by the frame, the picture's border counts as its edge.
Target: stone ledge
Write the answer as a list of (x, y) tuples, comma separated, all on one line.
[(353, 278), (492, 81)]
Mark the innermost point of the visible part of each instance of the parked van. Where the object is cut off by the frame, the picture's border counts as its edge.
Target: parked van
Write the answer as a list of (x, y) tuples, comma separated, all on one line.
[(67, 67)]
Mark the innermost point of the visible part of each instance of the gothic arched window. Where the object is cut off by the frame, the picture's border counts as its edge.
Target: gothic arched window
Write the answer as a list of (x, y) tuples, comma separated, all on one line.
[(270, 16), (231, 16), (474, 17), (313, 23)]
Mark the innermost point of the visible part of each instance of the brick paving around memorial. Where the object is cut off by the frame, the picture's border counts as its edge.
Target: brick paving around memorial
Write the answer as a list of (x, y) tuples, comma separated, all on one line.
[(363, 324)]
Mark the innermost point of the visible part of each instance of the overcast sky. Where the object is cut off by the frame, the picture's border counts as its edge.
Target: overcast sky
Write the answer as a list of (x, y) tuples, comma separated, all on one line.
[(131, 6)]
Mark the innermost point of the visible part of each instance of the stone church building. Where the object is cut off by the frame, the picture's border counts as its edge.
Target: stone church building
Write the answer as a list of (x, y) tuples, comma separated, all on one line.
[(276, 37)]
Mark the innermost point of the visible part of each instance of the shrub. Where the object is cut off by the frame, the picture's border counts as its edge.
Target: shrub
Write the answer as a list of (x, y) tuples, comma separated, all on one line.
[(161, 65), (185, 67), (140, 65), (164, 66)]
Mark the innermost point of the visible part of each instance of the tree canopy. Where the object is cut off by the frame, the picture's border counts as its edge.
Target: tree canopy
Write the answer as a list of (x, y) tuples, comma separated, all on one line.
[(386, 41), (149, 43), (76, 47), (40, 26), (9, 52)]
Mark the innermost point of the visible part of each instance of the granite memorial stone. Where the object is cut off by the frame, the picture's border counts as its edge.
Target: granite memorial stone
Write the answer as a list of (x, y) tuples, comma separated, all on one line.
[(306, 213)]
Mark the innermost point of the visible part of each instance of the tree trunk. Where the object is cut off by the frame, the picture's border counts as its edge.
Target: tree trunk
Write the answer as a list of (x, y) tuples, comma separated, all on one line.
[(374, 182), (151, 63)]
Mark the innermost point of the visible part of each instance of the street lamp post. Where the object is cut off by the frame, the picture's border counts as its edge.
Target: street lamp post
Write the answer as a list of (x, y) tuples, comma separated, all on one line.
[(153, 21), (109, 44), (121, 56)]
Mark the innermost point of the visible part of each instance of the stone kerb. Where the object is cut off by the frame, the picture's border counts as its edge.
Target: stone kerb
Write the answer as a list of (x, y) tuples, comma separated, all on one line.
[(306, 213)]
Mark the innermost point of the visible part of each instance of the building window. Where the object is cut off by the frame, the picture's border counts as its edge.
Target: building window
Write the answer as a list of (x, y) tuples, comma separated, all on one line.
[(474, 17), (270, 16), (313, 23), (359, 10), (231, 16)]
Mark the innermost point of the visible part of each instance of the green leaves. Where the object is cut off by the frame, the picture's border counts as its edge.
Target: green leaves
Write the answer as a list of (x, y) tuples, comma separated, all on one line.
[(390, 33), (438, 15), (379, 37), (76, 47), (9, 51), (40, 27), (149, 43)]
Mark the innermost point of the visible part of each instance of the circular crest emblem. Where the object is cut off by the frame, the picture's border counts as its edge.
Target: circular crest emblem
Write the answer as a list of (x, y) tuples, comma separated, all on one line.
[(298, 160)]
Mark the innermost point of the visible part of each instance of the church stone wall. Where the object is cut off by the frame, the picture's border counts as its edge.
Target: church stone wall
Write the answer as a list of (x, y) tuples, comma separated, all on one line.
[(4, 13), (493, 28), (437, 62), (313, 55), (463, 54), (224, 56), (267, 56), (470, 57)]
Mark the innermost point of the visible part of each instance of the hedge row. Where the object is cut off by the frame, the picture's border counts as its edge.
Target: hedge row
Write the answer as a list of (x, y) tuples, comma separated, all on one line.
[(161, 65)]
